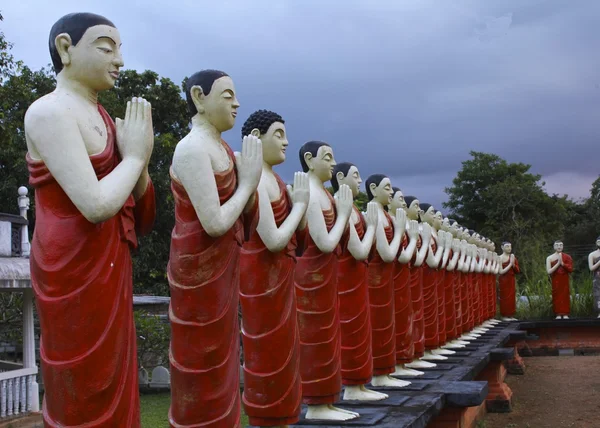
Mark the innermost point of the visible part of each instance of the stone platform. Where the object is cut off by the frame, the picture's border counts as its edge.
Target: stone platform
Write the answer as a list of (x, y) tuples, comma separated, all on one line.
[(576, 336), (470, 380)]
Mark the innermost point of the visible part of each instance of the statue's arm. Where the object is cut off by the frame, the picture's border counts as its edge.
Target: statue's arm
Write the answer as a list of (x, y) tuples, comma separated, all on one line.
[(360, 249), (58, 141), (325, 240)]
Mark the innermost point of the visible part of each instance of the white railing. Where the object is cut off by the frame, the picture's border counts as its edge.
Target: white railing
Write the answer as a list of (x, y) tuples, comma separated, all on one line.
[(17, 389)]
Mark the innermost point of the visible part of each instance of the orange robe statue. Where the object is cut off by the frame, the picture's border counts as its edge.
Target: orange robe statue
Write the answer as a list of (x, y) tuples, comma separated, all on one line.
[(203, 275), (82, 279), (405, 348), (561, 293), (381, 301), (508, 299), (272, 389), (318, 319), (355, 319)]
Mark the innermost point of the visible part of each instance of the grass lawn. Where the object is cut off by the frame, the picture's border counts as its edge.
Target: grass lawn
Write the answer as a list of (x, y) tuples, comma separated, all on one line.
[(155, 410)]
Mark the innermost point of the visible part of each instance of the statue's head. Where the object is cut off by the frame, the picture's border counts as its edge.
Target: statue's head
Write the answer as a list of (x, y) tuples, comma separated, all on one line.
[(598, 242), (558, 246), (86, 47), (439, 219), (506, 247), (379, 189), (316, 157), (270, 128), (413, 208), (398, 201), (346, 173), (445, 223), (211, 95), (428, 215)]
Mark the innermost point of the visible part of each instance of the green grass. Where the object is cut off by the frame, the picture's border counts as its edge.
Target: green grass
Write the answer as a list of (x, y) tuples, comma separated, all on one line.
[(155, 410)]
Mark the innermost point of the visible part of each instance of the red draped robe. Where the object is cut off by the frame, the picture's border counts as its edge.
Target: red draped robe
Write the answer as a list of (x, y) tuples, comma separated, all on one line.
[(468, 300), (381, 301), (430, 302), (441, 313), (405, 348), (203, 274), (476, 290), (82, 279), (494, 301), (355, 320), (315, 282), (561, 294), (458, 305), (272, 390), (416, 292), (508, 300), (450, 303)]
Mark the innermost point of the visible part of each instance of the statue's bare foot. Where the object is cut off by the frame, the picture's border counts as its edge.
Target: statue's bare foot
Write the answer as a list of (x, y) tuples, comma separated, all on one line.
[(387, 380), (360, 393), (327, 412), (350, 412), (431, 357), (455, 345), (402, 370), (442, 351), (420, 364)]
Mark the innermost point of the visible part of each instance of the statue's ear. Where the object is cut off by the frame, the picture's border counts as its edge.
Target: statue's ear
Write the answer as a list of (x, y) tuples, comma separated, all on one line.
[(308, 157), (63, 42), (339, 176), (198, 97), (255, 132)]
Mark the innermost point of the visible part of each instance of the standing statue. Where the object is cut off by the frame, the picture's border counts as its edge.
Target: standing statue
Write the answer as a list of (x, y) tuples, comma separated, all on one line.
[(390, 231), (414, 212), (452, 308), (212, 189), (93, 198), (594, 264), (353, 291), (506, 282), (316, 284), (559, 265), (272, 389), (405, 348)]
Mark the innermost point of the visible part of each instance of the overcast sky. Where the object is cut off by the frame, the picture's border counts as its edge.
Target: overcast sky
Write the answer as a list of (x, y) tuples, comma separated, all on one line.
[(401, 87)]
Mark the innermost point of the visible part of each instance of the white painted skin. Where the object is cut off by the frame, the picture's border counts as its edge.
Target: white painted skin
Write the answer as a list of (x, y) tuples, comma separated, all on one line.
[(594, 256), (274, 145), (64, 128), (557, 255), (201, 153)]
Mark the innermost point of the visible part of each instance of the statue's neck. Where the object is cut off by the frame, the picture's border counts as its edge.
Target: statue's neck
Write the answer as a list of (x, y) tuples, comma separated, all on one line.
[(200, 123), (72, 86), (314, 180)]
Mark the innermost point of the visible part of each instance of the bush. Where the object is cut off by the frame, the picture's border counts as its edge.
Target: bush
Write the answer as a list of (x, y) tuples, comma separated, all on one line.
[(153, 336)]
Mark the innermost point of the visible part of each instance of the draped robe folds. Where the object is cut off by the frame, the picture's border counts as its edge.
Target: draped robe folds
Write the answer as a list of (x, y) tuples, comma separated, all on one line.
[(468, 301), (416, 292), (441, 313), (561, 294), (492, 291), (430, 302), (508, 300), (82, 279), (458, 307), (272, 389), (355, 319), (450, 304), (203, 274), (315, 281), (405, 348), (381, 302), (476, 296)]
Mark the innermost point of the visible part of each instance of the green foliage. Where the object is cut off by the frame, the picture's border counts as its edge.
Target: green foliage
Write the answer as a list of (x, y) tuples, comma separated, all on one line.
[(153, 336)]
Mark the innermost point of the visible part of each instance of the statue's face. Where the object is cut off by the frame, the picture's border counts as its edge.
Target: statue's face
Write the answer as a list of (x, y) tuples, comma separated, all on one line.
[(95, 61), (414, 210), (398, 201), (220, 106), (558, 247), (445, 224), (598, 243), (352, 179), (507, 248), (274, 144), (438, 218), (383, 192), (322, 164)]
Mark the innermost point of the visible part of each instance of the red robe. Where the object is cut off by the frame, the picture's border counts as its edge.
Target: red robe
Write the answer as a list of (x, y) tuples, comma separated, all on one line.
[(416, 292), (494, 302), (430, 302), (561, 294), (355, 320), (508, 300), (405, 348), (381, 301), (450, 303), (458, 300), (272, 390), (476, 290), (203, 274), (315, 281), (468, 300), (82, 279), (441, 313)]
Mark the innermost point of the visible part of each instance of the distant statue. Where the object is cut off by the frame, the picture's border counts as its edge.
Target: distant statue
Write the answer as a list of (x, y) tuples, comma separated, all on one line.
[(93, 198), (510, 268), (594, 264), (559, 265)]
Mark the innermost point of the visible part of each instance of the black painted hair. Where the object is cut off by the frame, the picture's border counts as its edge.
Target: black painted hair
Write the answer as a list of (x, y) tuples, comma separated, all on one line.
[(343, 167), (261, 120), (504, 243), (452, 221), (75, 25), (396, 190), (471, 232), (409, 200), (205, 79), (311, 147), (425, 206), (373, 179)]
